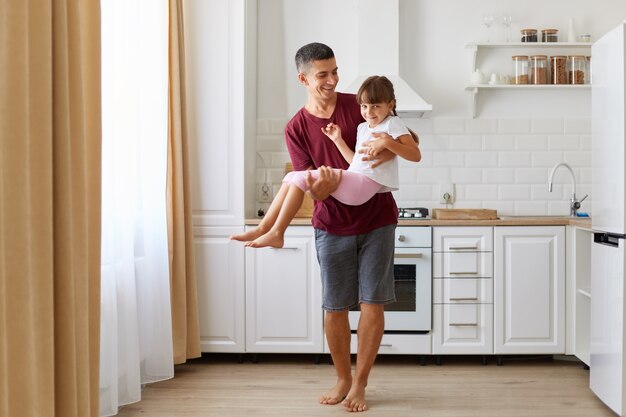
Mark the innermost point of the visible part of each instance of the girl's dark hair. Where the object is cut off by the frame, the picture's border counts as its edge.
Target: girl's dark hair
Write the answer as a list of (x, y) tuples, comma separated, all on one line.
[(312, 52), (378, 89)]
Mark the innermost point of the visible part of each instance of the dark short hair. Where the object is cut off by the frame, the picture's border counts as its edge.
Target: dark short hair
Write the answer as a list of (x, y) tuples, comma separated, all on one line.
[(312, 52)]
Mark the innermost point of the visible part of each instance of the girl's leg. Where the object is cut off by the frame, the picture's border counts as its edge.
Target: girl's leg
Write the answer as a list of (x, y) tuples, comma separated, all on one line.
[(270, 217), (355, 189), (275, 236)]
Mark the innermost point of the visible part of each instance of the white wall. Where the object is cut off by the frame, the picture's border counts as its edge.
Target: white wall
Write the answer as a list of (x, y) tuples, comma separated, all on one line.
[(499, 160)]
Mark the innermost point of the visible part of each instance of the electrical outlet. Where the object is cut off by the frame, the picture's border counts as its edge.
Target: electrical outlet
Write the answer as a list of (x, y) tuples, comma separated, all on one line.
[(446, 193), (264, 193)]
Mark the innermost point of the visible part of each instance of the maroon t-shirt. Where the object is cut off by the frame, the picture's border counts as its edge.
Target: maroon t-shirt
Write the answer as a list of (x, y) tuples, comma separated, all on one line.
[(308, 146)]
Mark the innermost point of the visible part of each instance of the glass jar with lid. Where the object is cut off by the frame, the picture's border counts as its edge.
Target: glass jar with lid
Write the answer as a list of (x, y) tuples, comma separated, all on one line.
[(558, 69), (550, 35), (576, 69), (539, 69), (520, 69), (529, 35)]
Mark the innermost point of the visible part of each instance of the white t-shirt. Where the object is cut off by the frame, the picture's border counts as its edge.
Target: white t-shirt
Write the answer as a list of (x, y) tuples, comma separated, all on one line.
[(386, 174)]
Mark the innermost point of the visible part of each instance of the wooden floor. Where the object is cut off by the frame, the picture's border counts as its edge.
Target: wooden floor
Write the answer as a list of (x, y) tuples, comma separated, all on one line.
[(288, 385)]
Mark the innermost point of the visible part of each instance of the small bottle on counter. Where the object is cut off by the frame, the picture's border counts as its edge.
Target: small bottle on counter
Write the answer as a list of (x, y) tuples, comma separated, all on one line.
[(539, 69), (550, 35), (520, 69), (529, 35), (589, 73), (558, 69), (576, 69)]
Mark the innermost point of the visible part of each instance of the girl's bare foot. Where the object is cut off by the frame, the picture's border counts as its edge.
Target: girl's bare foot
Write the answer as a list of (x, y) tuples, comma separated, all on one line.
[(273, 239), (249, 235), (355, 400), (336, 393)]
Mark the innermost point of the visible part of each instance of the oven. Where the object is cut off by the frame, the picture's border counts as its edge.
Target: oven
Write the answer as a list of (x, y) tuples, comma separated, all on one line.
[(413, 283)]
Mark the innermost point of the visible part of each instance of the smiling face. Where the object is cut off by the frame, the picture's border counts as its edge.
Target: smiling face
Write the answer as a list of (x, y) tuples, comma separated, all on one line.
[(320, 79), (376, 113)]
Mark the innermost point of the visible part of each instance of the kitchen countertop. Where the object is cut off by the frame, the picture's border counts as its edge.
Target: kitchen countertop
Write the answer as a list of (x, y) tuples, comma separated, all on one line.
[(583, 222)]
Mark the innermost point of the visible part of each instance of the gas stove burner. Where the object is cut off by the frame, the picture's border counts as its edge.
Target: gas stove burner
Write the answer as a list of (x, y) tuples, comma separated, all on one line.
[(413, 213)]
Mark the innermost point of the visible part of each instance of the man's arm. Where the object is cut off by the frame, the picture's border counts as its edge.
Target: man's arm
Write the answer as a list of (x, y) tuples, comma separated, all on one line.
[(326, 183)]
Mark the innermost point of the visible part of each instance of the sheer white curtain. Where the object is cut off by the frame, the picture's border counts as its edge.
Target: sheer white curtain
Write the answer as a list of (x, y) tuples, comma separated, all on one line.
[(136, 338)]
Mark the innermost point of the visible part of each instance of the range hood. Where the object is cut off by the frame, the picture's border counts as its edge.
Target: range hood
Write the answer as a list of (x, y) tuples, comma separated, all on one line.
[(379, 54)]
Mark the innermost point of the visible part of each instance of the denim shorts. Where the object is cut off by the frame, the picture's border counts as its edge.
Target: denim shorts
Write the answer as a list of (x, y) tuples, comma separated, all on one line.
[(356, 269)]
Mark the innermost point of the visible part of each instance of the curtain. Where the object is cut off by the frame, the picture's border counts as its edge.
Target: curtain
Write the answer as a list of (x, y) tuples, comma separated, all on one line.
[(185, 326), (136, 337), (50, 137)]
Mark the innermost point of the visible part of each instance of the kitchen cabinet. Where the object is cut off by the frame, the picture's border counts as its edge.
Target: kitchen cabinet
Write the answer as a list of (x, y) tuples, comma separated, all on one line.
[(480, 50), (218, 117), (462, 290), (284, 296), (221, 289), (529, 290), (578, 275)]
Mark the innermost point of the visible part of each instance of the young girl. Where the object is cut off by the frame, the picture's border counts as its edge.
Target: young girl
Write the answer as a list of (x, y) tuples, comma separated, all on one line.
[(360, 181)]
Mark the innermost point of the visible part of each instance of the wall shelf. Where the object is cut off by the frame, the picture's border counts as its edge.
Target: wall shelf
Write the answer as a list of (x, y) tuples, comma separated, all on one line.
[(475, 47)]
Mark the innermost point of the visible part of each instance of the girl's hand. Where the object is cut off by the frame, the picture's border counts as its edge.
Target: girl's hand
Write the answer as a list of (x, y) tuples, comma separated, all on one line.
[(332, 131), (375, 146)]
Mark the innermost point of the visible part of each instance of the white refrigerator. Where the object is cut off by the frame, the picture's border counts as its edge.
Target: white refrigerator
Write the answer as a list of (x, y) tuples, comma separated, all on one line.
[(607, 362)]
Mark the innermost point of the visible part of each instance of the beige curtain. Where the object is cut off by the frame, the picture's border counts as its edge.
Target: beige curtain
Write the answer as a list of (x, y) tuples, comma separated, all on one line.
[(185, 328), (49, 207)]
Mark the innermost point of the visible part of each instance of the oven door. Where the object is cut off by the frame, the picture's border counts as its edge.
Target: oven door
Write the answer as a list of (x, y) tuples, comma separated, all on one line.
[(412, 276)]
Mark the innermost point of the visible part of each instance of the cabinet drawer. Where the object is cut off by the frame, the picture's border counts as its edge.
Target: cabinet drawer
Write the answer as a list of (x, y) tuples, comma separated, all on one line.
[(463, 265), (463, 291), (462, 239), (462, 329), (396, 344)]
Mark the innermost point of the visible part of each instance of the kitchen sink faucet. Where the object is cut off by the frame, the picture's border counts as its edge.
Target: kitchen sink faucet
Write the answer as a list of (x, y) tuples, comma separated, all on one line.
[(574, 204)]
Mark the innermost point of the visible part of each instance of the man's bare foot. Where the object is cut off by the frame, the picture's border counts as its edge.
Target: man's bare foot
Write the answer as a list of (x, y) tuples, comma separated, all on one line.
[(249, 235), (336, 394), (273, 239), (355, 400)]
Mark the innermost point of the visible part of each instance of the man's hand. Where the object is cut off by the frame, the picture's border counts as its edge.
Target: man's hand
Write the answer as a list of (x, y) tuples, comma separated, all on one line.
[(326, 183)]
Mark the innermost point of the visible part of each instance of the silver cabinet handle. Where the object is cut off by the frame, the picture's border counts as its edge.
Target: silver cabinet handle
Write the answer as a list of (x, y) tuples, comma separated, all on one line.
[(463, 273), (463, 298), (408, 255), (286, 247), (401, 238), (464, 324), (475, 247), (386, 345)]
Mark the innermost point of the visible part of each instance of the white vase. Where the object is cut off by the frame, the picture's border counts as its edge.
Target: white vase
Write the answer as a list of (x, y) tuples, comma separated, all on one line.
[(571, 33)]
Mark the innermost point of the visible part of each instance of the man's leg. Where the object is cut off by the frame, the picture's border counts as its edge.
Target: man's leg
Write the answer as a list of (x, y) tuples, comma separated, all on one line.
[(338, 338), (370, 333)]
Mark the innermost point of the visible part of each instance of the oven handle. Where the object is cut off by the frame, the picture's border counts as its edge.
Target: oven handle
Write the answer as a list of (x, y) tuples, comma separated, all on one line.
[(475, 247), (408, 255)]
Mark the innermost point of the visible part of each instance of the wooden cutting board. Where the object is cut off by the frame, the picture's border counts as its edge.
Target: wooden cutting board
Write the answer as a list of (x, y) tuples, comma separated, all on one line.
[(464, 214), (306, 209)]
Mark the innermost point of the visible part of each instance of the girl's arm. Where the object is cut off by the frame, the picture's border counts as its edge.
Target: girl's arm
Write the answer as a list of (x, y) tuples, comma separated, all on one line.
[(334, 133), (404, 146)]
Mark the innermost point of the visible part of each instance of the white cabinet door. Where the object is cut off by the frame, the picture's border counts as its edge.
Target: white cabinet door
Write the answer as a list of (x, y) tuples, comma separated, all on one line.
[(284, 296), (220, 276), (216, 116), (529, 287)]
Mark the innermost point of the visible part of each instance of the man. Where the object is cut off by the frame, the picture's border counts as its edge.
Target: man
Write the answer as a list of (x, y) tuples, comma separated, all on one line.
[(355, 244)]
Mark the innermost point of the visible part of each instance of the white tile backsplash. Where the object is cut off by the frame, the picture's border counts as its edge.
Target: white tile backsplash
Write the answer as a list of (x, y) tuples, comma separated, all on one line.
[(501, 164)]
